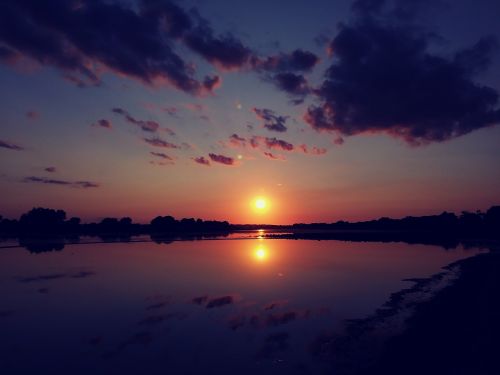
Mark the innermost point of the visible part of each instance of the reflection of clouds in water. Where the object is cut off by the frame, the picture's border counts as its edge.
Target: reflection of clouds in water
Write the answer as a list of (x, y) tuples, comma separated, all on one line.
[(158, 301), (140, 338), (199, 300), (237, 321), (266, 320), (42, 278), (158, 305), (220, 301), (274, 344), (157, 319), (56, 276), (82, 274), (214, 302), (275, 304)]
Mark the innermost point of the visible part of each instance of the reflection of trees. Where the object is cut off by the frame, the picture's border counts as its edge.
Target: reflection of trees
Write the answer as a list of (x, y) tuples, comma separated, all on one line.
[(34, 245)]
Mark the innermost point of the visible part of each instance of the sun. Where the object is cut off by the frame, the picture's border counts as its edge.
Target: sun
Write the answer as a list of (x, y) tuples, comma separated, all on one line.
[(260, 203)]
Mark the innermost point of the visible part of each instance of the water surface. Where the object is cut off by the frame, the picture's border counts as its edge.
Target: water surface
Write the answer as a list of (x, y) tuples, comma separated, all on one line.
[(215, 306)]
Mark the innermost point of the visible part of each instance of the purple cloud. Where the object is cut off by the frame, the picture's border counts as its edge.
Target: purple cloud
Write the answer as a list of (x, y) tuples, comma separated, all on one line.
[(270, 120), (386, 78), (147, 126), (158, 142), (162, 155), (10, 146), (103, 123), (49, 181), (201, 160), (222, 159)]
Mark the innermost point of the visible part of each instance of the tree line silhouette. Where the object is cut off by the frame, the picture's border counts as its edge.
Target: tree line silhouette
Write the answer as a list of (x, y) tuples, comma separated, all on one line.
[(48, 222), (467, 223)]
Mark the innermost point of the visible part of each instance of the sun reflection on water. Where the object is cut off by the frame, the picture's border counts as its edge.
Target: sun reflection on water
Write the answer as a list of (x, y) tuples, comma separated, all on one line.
[(260, 253)]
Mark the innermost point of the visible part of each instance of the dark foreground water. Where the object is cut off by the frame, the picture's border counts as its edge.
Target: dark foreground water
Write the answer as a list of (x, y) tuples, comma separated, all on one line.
[(248, 306)]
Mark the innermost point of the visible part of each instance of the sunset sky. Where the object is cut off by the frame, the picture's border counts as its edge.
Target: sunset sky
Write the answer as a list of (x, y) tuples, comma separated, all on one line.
[(328, 110)]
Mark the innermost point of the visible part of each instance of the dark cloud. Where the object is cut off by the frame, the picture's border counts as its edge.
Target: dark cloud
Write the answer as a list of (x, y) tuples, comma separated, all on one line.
[(291, 83), (85, 184), (385, 78), (84, 38), (226, 52), (103, 123), (161, 155), (158, 142), (272, 156), (296, 61), (284, 71), (211, 83), (148, 125), (237, 141), (201, 160), (50, 169), (50, 181), (271, 120), (221, 159), (271, 143), (10, 146)]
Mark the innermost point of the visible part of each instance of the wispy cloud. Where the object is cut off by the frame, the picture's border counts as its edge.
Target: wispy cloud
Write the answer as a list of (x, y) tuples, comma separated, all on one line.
[(270, 120), (146, 125), (103, 123), (158, 142), (50, 181), (11, 146), (222, 159), (201, 160)]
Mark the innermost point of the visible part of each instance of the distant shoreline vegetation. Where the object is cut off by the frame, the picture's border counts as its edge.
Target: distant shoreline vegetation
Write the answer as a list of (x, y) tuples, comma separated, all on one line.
[(49, 222)]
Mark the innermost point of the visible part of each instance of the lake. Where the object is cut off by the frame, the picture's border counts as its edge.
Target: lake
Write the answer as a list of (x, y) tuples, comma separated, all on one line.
[(221, 306)]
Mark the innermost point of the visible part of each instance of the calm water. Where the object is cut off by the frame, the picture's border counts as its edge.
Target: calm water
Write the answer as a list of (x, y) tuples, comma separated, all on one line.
[(190, 307)]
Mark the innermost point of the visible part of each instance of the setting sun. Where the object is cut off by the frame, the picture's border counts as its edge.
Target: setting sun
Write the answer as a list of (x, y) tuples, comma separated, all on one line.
[(260, 203)]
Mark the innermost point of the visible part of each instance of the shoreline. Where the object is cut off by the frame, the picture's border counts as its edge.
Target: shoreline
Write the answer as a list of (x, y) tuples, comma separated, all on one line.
[(58, 242), (448, 323)]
